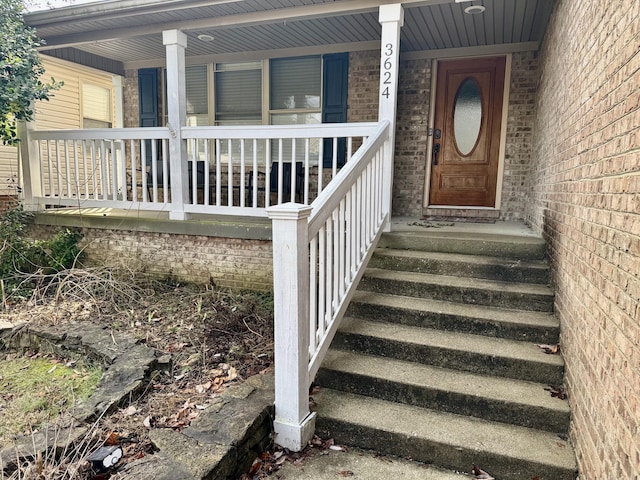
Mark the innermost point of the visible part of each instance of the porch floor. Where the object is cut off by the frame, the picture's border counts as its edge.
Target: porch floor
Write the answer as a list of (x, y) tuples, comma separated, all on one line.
[(259, 228)]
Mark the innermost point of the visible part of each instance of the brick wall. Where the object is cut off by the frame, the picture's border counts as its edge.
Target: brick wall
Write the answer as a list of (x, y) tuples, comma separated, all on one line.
[(412, 121), (518, 145), (131, 106), (584, 192), (412, 117), (226, 262)]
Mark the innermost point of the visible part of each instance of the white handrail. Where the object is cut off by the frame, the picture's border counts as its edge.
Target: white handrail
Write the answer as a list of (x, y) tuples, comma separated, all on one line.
[(319, 255)]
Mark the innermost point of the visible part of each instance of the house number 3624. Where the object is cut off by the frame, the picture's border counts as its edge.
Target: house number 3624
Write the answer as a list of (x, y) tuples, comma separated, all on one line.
[(386, 70)]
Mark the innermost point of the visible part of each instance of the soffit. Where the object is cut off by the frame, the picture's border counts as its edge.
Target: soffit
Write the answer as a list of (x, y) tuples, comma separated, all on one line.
[(439, 24)]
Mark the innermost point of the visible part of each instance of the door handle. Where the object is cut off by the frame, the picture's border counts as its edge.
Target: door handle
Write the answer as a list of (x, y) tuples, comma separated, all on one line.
[(436, 151)]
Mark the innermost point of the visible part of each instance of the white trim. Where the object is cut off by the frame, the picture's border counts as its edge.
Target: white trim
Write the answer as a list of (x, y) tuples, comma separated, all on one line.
[(472, 52), (503, 137)]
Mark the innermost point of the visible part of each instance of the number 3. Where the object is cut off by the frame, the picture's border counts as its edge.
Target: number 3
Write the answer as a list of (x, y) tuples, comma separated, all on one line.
[(389, 51)]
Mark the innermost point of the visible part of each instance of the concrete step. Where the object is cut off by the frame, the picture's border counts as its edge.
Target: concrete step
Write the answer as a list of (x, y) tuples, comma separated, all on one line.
[(520, 296), (467, 243), (537, 327), (453, 350), (492, 398), (476, 266), (451, 441)]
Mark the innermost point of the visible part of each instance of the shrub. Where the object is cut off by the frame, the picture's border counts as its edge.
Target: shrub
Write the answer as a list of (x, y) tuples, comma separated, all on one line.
[(24, 262)]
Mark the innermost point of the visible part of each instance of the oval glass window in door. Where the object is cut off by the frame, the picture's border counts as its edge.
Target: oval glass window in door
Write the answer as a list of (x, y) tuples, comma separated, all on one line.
[(467, 116)]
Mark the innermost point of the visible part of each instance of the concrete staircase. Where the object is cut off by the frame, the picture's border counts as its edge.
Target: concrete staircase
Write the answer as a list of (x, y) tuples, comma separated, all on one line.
[(437, 358)]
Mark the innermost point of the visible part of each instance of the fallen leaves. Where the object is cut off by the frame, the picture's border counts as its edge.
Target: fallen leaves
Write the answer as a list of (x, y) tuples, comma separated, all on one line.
[(271, 461), (549, 349), (557, 391)]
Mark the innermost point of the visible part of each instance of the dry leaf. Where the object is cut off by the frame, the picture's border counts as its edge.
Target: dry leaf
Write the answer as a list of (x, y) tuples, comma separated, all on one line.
[(130, 410), (338, 448), (550, 349), (558, 392), (52, 369), (112, 439), (147, 421), (480, 474), (346, 473)]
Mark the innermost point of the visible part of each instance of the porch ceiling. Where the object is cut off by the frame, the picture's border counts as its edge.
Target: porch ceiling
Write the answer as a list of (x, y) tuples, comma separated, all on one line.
[(129, 31)]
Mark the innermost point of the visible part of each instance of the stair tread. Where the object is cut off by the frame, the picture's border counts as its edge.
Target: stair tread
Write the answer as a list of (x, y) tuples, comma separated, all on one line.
[(489, 313), (494, 347), (463, 258), (411, 373), (448, 429), (474, 236), (459, 282)]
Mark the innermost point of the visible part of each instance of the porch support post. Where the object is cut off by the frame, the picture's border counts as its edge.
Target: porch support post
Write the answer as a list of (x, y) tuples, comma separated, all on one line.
[(294, 424), (176, 43), (391, 18), (31, 177)]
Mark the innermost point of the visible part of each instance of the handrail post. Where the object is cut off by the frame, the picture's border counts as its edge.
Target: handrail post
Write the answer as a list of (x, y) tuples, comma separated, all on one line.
[(176, 44), (391, 18), (31, 168), (294, 425)]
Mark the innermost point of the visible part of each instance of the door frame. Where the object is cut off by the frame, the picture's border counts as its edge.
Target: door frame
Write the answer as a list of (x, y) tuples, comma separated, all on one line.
[(503, 133)]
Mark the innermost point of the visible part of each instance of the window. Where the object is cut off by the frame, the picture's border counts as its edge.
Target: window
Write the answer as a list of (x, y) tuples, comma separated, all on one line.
[(238, 93), (295, 98), (197, 95), (96, 106)]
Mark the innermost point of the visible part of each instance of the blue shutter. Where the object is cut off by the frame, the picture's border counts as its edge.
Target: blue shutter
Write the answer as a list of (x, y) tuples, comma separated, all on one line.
[(148, 102), (334, 101)]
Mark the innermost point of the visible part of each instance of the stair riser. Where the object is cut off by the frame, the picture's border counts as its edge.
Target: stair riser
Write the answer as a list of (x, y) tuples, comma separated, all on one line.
[(503, 249), (474, 296), (435, 399), (502, 273), (444, 455), (453, 359), (456, 323)]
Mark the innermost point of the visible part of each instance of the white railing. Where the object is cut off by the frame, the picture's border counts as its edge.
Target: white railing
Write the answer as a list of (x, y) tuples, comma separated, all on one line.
[(119, 168), (240, 170), (320, 252)]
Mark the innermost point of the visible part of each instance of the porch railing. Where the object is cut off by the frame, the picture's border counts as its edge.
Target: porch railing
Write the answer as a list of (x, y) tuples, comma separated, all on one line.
[(240, 170), (320, 252)]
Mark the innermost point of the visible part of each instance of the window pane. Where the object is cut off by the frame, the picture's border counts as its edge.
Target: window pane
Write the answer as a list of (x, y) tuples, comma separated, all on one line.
[(238, 93), (295, 83), (196, 81), (96, 103)]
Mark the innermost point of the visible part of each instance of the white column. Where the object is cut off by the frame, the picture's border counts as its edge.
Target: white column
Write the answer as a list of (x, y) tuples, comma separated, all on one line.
[(391, 18), (176, 43), (30, 168), (118, 122), (294, 424)]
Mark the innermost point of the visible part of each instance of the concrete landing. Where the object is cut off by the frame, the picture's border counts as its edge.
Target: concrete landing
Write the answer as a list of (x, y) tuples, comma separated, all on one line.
[(364, 465)]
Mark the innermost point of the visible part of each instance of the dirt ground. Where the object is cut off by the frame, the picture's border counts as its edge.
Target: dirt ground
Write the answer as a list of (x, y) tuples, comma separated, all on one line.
[(215, 338)]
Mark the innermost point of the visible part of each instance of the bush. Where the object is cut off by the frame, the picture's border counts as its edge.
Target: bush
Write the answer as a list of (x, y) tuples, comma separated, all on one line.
[(24, 262)]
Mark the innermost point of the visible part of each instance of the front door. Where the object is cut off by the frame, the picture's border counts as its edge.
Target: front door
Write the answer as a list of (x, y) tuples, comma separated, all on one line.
[(466, 142)]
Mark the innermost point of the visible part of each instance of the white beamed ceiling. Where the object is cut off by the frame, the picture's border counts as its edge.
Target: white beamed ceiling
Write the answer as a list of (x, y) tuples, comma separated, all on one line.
[(132, 33)]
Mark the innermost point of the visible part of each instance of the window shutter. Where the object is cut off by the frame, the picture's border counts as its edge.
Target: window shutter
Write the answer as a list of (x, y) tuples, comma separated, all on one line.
[(334, 102), (148, 96)]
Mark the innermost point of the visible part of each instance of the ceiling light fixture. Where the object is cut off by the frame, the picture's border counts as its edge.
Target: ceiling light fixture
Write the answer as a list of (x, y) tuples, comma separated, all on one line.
[(474, 9), (205, 37)]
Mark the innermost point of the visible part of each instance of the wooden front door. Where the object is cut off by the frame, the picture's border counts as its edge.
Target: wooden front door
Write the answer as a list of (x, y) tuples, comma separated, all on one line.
[(466, 142)]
